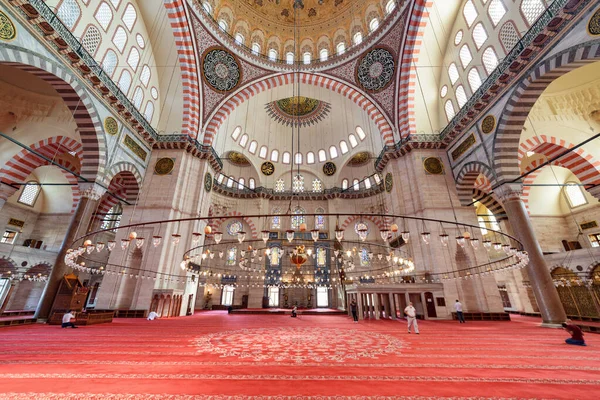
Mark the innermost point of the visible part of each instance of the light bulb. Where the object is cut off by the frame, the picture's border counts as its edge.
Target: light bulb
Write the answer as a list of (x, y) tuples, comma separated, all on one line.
[(218, 236), (444, 239), (290, 235), (487, 244), (309, 251), (139, 242), (348, 253), (362, 234), (110, 245), (175, 238), (497, 246), (196, 238), (241, 235), (265, 236), (405, 236), (385, 234), (339, 235), (426, 236), (90, 248), (314, 234), (99, 247), (475, 243), (460, 240), (156, 240), (124, 243)]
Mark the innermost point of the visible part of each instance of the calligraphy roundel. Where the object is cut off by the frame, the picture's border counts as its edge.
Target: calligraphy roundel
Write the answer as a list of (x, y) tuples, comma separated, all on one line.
[(375, 70), (488, 124), (389, 182), (329, 168), (267, 168), (208, 182), (594, 24), (7, 28), (111, 126), (220, 69), (164, 166)]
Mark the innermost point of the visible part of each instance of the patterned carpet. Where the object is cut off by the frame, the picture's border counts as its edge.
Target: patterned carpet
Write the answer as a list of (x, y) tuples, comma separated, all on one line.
[(213, 355)]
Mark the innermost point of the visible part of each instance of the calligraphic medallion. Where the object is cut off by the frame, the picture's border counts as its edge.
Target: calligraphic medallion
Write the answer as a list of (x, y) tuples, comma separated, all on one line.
[(389, 182), (594, 24), (164, 166), (220, 69), (267, 168), (111, 126), (208, 182), (8, 31), (488, 124), (433, 166), (329, 168)]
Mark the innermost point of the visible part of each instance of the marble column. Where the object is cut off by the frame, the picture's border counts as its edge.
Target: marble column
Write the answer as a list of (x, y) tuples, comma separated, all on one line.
[(80, 221), (5, 192), (359, 301), (553, 313), (376, 305), (392, 305)]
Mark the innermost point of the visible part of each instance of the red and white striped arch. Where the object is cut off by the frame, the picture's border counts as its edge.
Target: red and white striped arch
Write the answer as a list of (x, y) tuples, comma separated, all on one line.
[(408, 73), (216, 223), (187, 60), (124, 182), (306, 78), (378, 221)]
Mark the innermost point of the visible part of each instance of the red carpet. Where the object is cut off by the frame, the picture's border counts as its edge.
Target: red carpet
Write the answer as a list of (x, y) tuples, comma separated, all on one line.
[(218, 356)]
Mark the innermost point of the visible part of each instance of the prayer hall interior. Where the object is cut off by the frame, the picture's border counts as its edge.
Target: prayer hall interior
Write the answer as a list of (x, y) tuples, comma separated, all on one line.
[(253, 199)]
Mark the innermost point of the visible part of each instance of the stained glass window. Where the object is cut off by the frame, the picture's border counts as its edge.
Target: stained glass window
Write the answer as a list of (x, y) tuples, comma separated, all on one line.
[(321, 257), (30, 193), (276, 222), (317, 185), (231, 256), (298, 185), (364, 257), (69, 12), (275, 252), (298, 217), (234, 227), (279, 186)]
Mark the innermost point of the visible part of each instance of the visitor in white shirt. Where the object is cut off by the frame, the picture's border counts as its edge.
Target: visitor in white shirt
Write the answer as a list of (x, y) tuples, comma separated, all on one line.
[(459, 312), (411, 317), (152, 316), (66, 320)]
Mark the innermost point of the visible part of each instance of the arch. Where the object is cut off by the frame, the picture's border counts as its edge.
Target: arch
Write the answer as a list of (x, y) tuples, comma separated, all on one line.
[(413, 39), (490, 202), (43, 268), (560, 271), (307, 78), (125, 183), (523, 98), (187, 61), (7, 265), (378, 221), (216, 223), (466, 178), (593, 269), (122, 167)]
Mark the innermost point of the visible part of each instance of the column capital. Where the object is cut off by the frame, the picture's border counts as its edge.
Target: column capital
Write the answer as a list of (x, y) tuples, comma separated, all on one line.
[(509, 191), (91, 190), (6, 191)]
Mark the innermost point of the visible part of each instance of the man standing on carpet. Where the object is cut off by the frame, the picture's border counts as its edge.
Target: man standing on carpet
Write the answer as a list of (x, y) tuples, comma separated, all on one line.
[(354, 309), (411, 317), (66, 320), (576, 334), (459, 313)]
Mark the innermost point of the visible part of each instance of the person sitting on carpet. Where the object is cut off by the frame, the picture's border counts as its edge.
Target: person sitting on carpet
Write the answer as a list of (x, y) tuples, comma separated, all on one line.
[(152, 316), (66, 320), (295, 312), (576, 334)]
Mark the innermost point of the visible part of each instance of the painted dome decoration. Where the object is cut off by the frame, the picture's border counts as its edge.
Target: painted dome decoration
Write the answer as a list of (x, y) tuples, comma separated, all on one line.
[(375, 70), (298, 110), (220, 69)]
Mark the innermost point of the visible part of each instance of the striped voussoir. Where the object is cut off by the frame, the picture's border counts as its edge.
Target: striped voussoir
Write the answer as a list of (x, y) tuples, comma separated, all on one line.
[(378, 221), (489, 200), (123, 185), (525, 95), (130, 176), (215, 223), (466, 180), (187, 62), (273, 81), (76, 99), (408, 73)]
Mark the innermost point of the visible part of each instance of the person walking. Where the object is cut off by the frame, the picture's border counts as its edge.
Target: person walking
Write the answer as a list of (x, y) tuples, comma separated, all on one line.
[(66, 320), (411, 317), (459, 312), (354, 309), (576, 334)]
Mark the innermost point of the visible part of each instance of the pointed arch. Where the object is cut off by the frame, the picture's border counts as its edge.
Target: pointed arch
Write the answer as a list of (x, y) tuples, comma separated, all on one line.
[(467, 178), (216, 223)]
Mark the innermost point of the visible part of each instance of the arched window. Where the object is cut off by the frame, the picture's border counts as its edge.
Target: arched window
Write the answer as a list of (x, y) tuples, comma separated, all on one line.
[(377, 178), (461, 96), (298, 159), (206, 5), (276, 219), (345, 184), (289, 57), (273, 55), (496, 11), (310, 157), (474, 79), (333, 152), (134, 58), (356, 184), (91, 39), (341, 48), (279, 186), (361, 133), (364, 257), (453, 73), (286, 158), (389, 7), (275, 155), (317, 185), (239, 38), (344, 147), (30, 193), (230, 182), (149, 111), (138, 97), (253, 146), (140, 41), (458, 37), (120, 38), (298, 218), (465, 55), (357, 38), (479, 35), (231, 255), (154, 93), (490, 60), (145, 75), (262, 153), (298, 184), (319, 218), (306, 57), (220, 178), (223, 25), (367, 182), (252, 183), (323, 54), (69, 13), (112, 219), (244, 140), (532, 9), (509, 36), (236, 132), (241, 183), (129, 17), (574, 194), (444, 91), (322, 155), (321, 256), (115, 3), (470, 13), (110, 62), (104, 15), (449, 107), (374, 24), (353, 141), (255, 48), (125, 81)]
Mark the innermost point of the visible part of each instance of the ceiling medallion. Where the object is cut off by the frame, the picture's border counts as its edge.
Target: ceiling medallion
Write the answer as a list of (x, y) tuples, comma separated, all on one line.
[(329, 168), (7, 28), (267, 168), (594, 24), (238, 159), (164, 166), (433, 166), (111, 126), (375, 70), (298, 110), (208, 182), (220, 69), (389, 182), (488, 124), (359, 159)]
